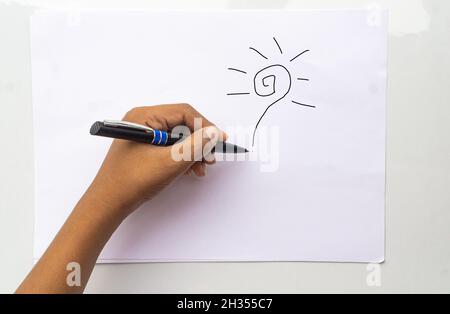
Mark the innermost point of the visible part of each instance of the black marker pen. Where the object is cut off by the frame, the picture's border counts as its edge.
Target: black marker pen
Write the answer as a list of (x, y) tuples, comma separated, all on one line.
[(139, 133)]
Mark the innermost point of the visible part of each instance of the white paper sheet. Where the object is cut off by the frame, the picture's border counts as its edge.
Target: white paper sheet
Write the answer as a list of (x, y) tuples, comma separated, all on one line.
[(320, 194)]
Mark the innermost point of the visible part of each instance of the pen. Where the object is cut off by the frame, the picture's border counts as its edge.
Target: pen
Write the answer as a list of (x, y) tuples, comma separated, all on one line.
[(143, 134)]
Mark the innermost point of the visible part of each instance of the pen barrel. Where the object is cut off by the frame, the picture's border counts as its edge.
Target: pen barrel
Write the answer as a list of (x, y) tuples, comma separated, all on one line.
[(154, 137), (221, 147), (100, 129), (227, 148)]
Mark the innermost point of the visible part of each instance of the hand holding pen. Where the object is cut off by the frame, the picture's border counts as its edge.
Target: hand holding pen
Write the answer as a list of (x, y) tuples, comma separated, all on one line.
[(130, 174), (164, 118)]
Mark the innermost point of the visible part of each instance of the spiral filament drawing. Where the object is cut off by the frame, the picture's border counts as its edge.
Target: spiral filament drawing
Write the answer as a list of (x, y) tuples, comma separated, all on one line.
[(272, 80)]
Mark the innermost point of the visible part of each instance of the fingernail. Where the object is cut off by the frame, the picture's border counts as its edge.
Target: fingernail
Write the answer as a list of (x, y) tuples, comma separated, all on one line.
[(213, 133), (210, 157)]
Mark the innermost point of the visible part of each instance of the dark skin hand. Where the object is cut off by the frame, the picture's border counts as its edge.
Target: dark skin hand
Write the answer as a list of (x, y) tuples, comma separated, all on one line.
[(144, 170)]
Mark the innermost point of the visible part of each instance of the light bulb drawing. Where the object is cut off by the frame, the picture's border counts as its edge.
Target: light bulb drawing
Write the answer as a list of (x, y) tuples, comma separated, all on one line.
[(272, 80)]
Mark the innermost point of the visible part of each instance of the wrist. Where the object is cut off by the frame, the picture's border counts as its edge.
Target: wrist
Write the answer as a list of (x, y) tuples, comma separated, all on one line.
[(103, 205)]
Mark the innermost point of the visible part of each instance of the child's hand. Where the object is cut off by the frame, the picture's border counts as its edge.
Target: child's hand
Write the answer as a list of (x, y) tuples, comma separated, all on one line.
[(132, 172)]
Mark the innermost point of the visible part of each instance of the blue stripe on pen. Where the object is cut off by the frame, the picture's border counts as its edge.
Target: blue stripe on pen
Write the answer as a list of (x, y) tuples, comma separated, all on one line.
[(160, 137), (164, 138), (156, 137)]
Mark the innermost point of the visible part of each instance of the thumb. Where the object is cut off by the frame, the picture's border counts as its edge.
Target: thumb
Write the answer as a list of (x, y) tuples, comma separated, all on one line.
[(195, 147)]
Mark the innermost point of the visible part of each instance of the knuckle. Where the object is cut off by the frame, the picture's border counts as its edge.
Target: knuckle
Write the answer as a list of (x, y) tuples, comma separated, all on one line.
[(131, 113), (187, 107)]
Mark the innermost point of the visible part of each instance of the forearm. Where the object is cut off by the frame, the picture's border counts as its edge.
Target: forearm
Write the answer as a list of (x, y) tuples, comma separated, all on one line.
[(80, 240)]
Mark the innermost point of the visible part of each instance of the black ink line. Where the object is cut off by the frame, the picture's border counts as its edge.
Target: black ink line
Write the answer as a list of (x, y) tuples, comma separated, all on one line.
[(276, 101), (251, 48), (278, 45), (299, 55), (302, 79), (297, 103), (237, 70), (237, 94)]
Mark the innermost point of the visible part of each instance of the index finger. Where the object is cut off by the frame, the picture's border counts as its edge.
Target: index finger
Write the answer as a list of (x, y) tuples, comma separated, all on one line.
[(167, 117)]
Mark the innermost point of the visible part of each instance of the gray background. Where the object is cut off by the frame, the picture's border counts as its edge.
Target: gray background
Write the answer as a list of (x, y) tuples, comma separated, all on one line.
[(418, 164)]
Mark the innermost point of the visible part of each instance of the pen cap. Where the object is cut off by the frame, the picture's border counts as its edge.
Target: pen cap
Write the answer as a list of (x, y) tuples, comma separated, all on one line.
[(95, 128)]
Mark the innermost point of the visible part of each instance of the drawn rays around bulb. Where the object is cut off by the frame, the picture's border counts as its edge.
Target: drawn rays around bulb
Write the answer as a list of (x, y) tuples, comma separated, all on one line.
[(272, 80), (305, 105), (257, 51), (300, 54), (237, 70)]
